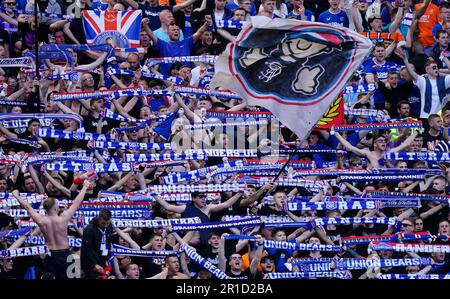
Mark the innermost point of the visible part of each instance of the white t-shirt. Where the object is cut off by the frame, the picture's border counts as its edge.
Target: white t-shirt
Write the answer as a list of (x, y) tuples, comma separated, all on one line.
[(436, 105)]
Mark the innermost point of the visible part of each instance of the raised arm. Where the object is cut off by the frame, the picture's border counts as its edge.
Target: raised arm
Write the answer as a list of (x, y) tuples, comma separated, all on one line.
[(127, 238), (419, 13), (147, 29), (94, 64), (7, 132), (398, 19), (257, 256), (34, 215), (9, 20), (168, 206), (405, 143), (225, 205), (67, 214), (35, 178), (401, 53), (348, 146), (57, 184), (183, 5), (255, 196), (203, 28), (132, 3)]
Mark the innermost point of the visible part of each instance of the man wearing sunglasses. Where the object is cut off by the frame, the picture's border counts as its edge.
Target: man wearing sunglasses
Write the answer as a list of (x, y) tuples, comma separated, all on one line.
[(199, 207), (432, 86)]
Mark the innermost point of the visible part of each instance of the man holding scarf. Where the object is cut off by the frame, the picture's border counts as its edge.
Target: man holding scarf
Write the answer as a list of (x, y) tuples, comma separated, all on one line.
[(54, 228), (432, 86)]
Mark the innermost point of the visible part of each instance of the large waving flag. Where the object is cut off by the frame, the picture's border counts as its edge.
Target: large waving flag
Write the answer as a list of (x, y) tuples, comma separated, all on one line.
[(296, 69), (119, 28)]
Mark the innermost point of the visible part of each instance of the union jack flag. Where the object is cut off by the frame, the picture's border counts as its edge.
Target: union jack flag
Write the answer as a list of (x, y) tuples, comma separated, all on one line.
[(119, 28)]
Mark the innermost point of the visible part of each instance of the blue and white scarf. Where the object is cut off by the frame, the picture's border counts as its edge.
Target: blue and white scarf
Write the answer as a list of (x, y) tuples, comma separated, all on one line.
[(74, 135), (31, 199), (205, 92), (254, 221), (354, 264), (209, 125), (23, 251), (71, 76), (382, 177), (40, 240), (367, 112), (15, 232), (336, 205), (302, 275), (137, 146), (107, 113), (122, 250), (26, 62), (116, 213), (230, 23), (414, 276), (202, 262), (418, 156), (409, 247), (97, 167), (165, 156), (379, 126), (172, 79), (225, 187), (361, 88), (12, 103), (239, 114), (230, 153), (199, 173), (19, 120), (266, 219), (160, 223), (301, 246), (355, 220), (204, 58)]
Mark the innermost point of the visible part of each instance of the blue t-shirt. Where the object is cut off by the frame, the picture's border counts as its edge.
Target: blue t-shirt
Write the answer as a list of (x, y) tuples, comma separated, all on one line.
[(99, 5), (174, 49), (232, 6), (187, 27), (334, 19), (436, 28), (309, 16), (369, 67), (152, 13)]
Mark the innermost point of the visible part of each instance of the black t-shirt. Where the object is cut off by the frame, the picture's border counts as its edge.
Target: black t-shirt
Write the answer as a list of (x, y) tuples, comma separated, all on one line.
[(393, 96), (244, 274), (28, 35), (90, 124), (267, 211), (431, 141), (150, 265)]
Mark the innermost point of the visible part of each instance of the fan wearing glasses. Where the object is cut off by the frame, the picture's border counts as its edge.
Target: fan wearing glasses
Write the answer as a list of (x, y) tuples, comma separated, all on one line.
[(199, 207), (432, 85)]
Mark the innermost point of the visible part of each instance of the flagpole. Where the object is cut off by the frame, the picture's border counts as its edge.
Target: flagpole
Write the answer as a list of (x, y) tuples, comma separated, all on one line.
[(36, 50)]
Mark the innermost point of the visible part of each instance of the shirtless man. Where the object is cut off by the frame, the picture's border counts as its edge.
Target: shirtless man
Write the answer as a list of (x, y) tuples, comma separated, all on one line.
[(376, 156), (54, 228)]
